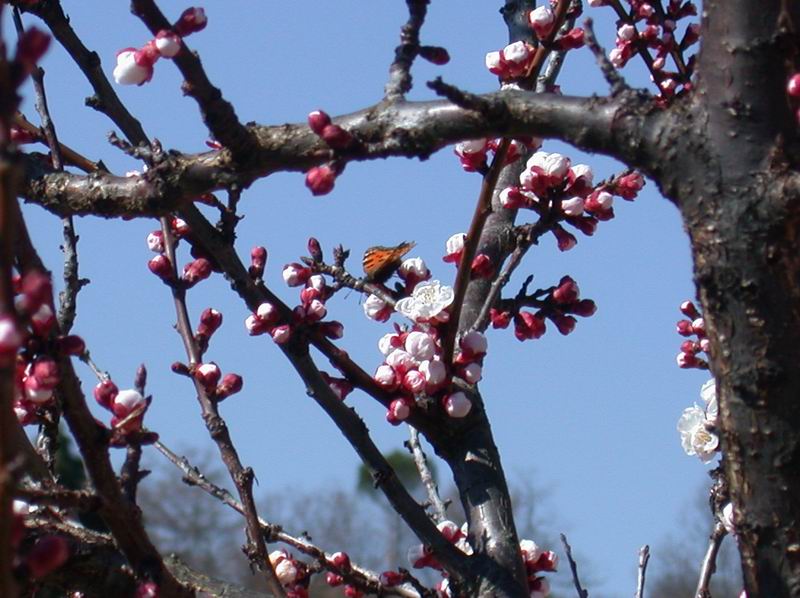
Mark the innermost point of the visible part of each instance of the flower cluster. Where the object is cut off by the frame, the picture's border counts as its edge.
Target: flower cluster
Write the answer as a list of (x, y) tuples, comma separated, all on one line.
[(516, 60), (27, 343), (692, 347), (413, 370), (698, 425), (193, 272), (135, 65), (421, 556), (559, 304), (474, 154), (653, 28), (555, 189), (538, 561), (311, 310)]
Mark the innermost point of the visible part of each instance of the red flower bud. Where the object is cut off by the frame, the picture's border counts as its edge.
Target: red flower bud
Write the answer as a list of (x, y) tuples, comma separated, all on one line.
[(71, 345), (320, 180), (191, 21), (500, 319), (434, 54), (584, 308), (314, 249), (793, 86), (336, 137), (195, 271), (161, 267), (47, 555), (318, 120), (31, 46), (567, 291), (231, 384), (482, 266)]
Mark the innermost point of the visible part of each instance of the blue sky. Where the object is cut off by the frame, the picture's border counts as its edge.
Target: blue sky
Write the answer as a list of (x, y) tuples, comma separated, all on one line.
[(587, 419)]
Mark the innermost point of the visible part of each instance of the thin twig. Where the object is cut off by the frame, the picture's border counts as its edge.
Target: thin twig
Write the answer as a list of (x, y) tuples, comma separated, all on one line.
[(612, 76), (644, 558), (81, 500), (399, 82), (217, 428), (709, 564), (574, 568), (425, 474), (359, 576)]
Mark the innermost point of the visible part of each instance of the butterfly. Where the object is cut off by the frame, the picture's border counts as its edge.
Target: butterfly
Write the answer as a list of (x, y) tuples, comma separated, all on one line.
[(380, 262)]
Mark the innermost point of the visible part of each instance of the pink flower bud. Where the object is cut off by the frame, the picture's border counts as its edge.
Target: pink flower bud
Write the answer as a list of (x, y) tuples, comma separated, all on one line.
[(333, 580), (628, 186), (45, 371), (472, 154), (385, 377), (454, 248), (584, 308), (572, 206), (210, 321), (258, 261), (314, 249), (316, 310), (195, 271), (341, 560), (414, 381), (573, 39), (705, 345), (105, 392), (231, 384), (286, 572), (473, 344), (435, 54), (513, 198), (191, 21), (320, 180), (126, 401), (161, 267), (336, 137), (482, 266), (528, 326), (377, 309), (541, 20), (399, 410), (565, 240), (132, 68), (689, 310), (564, 324), (457, 405), (684, 328), (567, 291), (281, 334), (47, 555), (401, 361), (168, 43), (599, 201), (499, 319), (155, 241), (420, 345), (255, 325), (318, 120), (472, 373), (434, 372), (208, 374), (699, 326), (71, 344), (352, 592), (295, 274), (686, 360), (413, 271)]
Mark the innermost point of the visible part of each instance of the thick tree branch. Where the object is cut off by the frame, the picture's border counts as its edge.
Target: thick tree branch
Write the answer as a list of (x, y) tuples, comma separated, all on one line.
[(619, 127)]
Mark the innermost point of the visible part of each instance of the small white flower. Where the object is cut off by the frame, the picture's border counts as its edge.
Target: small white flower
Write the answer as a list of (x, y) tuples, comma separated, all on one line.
[(617, 57), (434, 372), (626, 32), (492, 62), (583, 171), (127, 71), (541, 17), (415, 268), (388, 343), (455, 243), (605, 200), (517, 52), (428, 301), (474, 146), (696, 438), (473, 373), (708, 392), (129, 399)]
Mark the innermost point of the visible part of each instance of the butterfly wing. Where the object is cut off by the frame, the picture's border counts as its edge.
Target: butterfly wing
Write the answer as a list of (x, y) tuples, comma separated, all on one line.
[(380, 262)]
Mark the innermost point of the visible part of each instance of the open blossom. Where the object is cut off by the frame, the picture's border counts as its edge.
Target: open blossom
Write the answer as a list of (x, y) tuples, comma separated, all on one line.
[(512, 61), (696, 437), (427, 302)]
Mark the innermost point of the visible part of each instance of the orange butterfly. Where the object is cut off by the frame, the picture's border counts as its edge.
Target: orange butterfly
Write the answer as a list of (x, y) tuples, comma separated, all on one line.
[(380, 262)]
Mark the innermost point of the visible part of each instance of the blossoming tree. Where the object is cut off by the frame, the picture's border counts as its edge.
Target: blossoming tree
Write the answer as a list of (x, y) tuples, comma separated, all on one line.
[(717, 135)]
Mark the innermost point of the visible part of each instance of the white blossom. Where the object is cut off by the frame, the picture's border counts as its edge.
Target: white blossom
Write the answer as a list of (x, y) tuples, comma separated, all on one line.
[(428, 301)]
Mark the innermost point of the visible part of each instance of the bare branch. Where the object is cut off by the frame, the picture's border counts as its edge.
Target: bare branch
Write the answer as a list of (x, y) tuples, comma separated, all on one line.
[(612, 76), (400, 71), (421, 461), (574, 568), (709, 564), (644, 558)]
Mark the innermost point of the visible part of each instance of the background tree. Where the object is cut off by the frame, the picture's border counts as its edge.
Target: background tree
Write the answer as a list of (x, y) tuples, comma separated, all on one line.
[(718, 139)]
